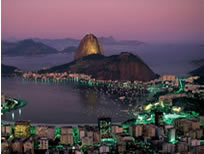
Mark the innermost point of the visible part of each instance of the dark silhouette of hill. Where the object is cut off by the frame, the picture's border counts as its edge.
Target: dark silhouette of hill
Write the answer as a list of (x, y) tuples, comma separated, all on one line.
[(199, 62), (26, 48), (10, 70), (5, 46), (125, 66), (59, 44), (199, 72)]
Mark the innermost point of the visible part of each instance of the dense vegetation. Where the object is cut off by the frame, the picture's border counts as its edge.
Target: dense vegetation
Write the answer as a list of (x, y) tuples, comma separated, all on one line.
[(190, 104)]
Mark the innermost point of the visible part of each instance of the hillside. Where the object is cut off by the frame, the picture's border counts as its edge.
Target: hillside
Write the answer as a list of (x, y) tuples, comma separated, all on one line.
[(125, 66), (26, 48), (5, 46), (9, 70), (58, 44), (199, 72)]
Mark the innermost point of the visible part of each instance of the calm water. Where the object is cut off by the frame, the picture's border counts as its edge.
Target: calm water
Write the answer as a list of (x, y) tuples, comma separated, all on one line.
[(63, 103), (60, 103)]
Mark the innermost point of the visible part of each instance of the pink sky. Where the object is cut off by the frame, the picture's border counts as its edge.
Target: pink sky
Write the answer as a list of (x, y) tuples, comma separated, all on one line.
[(146, 20)]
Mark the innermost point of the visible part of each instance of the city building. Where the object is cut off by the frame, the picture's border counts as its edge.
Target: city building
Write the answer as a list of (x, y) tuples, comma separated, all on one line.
[(66, 130), (158, 118), (43, 143), (105, 126), (168, 78), (104, 149), (66, 139), (168, 148), (17, 145), (117, 129), (137, 130), (2, 98), (5, 147), (28, 145), (172, 135), (22, 129), (45, 131), (5, 130), (186, 125), (149, 130)]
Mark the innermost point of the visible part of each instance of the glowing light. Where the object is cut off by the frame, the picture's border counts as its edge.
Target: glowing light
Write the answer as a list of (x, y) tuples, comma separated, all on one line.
[(181, 86), (149, 106), (13, 105), (156, 104), (90, 83), (59, 146), (32, 130), (11, 136), (58, 132), (176, 109), (22, 129), (111, 140), (19, 111), (173, 141), (140, 117), (162, 103), (12, 115), (169, 118), (75, 133)]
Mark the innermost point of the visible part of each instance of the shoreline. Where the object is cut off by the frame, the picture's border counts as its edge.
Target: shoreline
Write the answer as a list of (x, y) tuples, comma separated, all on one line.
[(59, 125)]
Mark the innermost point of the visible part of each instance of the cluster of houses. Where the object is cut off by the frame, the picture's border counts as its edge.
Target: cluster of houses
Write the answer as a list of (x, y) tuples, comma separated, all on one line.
[(183, 136)]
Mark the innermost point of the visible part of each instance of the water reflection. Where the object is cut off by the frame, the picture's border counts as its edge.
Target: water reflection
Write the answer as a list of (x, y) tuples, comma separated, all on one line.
[(89, 96), (13, 115)]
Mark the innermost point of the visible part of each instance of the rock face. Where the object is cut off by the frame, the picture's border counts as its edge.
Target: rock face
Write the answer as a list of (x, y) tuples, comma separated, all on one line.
[(89, 45), (125, 66)]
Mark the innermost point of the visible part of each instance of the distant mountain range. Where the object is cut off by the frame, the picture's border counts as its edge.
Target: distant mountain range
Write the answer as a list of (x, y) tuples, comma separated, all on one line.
[(69, 49), (58, 44), (26, 48), (125, 66), (61, 44), (37, 46), (9, 70)]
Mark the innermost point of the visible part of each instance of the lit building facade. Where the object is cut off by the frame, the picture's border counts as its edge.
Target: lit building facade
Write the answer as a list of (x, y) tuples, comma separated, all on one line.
[(105, 126), (22, 129)]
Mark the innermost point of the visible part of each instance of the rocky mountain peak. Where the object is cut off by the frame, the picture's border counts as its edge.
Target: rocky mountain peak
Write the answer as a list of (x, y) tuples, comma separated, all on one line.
[(89, 45)]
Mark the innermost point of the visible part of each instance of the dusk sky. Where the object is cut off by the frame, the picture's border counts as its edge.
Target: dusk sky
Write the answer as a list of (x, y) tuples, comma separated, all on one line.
[(145, 20)]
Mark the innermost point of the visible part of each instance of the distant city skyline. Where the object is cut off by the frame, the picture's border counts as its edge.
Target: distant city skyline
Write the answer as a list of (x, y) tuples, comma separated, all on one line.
[(151, 21)]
